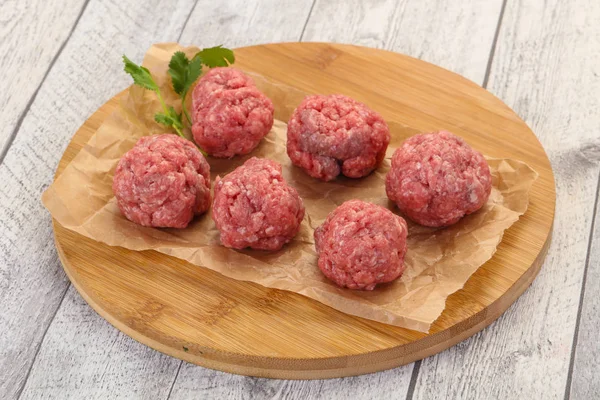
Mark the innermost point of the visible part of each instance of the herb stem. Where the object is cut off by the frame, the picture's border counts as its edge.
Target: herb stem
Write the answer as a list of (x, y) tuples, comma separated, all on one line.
[(179, 132), (162, 102), (187, 115)]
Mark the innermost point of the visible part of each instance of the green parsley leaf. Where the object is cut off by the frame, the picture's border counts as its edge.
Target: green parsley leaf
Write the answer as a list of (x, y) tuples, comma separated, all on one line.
[(217, 56), (183, 74), (194, 71), (178, 69), (141, 76), (185, 349)]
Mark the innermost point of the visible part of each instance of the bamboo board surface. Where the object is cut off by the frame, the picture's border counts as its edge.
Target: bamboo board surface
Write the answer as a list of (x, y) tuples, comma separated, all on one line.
[(202, 317)]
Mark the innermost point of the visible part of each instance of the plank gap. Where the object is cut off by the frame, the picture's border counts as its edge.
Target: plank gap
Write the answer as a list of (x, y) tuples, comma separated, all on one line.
[(37, 350), (187, 19), (413, 380), (488, 68), (174, 380), (13, 134), (312, 6), (582, 294)]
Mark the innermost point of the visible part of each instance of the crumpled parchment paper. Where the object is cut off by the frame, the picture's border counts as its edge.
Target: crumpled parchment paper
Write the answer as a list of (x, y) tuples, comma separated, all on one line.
[(439, 261)]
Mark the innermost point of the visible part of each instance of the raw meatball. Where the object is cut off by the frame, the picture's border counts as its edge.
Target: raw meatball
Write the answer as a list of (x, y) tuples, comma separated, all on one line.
[(329, 135), (437, 178), (222, 78), (254, 207), (361, 244), (163, 181), (230, 122)]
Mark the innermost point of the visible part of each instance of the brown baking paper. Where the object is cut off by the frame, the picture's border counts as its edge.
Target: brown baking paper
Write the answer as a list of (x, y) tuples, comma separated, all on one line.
[(439, 261)]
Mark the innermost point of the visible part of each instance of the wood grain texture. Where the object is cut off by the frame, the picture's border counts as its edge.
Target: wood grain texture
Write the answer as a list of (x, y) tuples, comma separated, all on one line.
[(73, 365), (194, 382), (585, 157), (201, 316), (103, 24), (586, 363), (88, 72), (456, 35), (546, 69), (238, 23), (565, 152), (31, 34)]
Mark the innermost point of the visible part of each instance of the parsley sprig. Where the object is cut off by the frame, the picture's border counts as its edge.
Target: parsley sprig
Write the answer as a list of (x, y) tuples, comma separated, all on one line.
[(142, 77), (183, 72)]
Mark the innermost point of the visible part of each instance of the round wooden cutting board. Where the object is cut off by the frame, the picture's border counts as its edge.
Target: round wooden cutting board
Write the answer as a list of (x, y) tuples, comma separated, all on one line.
[(202, 317)]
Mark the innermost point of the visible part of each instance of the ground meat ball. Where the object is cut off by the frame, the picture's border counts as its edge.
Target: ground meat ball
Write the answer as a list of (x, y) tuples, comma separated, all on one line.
[(230, 122), (361, 244), (223, 78), (437, 178), (329, 135), (163, 181), (254, 207)]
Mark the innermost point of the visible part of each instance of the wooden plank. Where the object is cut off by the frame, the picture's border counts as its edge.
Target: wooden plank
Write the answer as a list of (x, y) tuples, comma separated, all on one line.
[(237, 23), (456, 35), (32, 33), (198, 383), (84, 357), (545, 68), (84, 78), (88, 72), (101, 24), (584, 382), (405, 27), (270, 40)]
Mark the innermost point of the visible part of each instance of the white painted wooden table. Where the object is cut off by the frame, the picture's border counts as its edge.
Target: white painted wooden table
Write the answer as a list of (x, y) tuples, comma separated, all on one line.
[(60, 60)]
